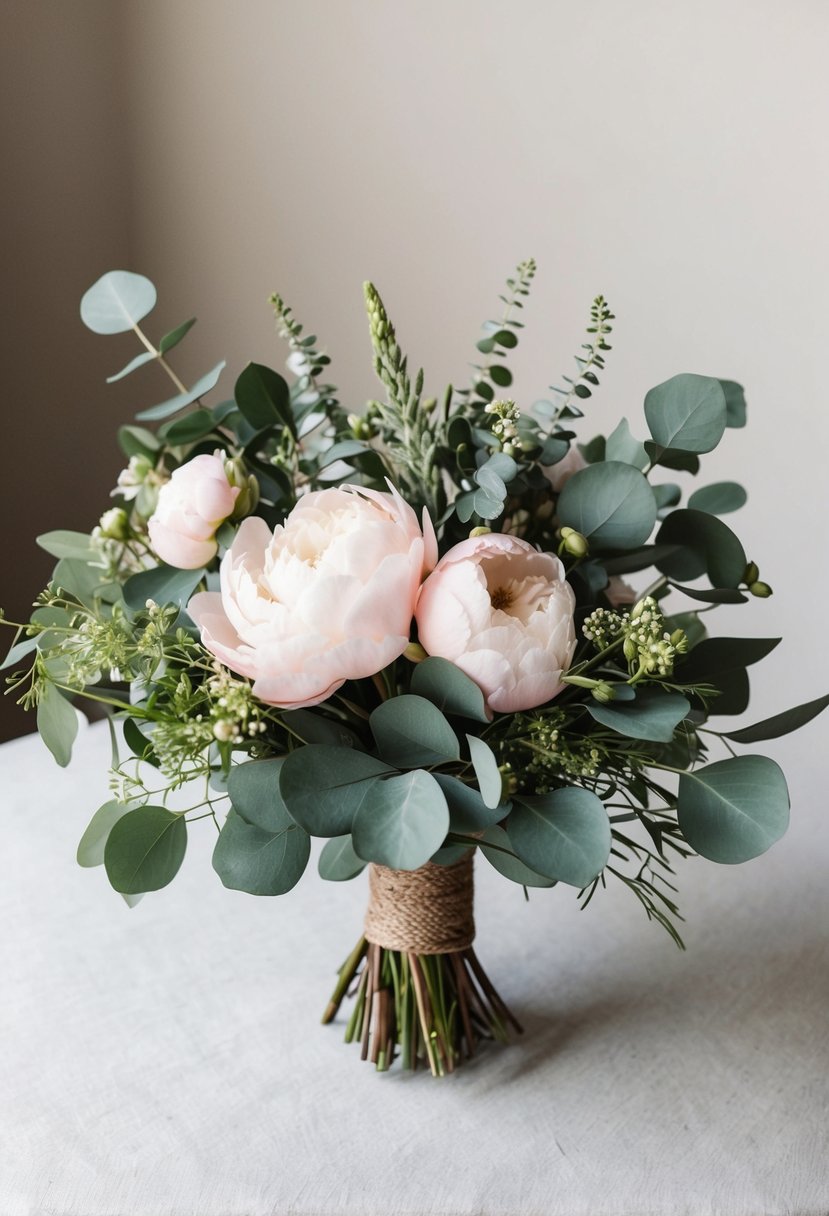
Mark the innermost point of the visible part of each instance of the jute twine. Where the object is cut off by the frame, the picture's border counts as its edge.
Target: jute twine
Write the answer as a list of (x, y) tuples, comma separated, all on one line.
[(425, 911)]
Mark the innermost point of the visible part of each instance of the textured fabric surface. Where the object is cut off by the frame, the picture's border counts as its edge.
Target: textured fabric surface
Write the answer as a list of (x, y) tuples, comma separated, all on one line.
[(168, 1061)]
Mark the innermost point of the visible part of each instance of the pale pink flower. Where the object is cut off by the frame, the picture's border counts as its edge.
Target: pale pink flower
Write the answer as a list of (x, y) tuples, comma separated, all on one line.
[(191, 506), (326, 597), (503, 613)]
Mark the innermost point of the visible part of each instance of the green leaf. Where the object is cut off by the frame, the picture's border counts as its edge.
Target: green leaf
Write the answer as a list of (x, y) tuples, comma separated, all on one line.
[(486, 771), (18, 652), (449, 688), (733, 810), (67, 544), (173, 404), (654, 715), (638, 559), (188, 429), (315, 728), (264, 398), (261, 861), (780, 724), (338, 862), (713, 657), (623, 447), (505, 338), (343, 451), (564, 835), (117, 302), (175, 335), (93, 841), (691, 624), (132, 366), (402, 821), (507, 863), (323, 786), (163, 584), (735, 403), (467, 810), (137, 441), (686, 462), (412, 733), (139, 744), (705, 545), (145, 849), (719, 498), (687, 412), (716, 595), (502, 376), (83, 581), (610, 503), (57, 723)]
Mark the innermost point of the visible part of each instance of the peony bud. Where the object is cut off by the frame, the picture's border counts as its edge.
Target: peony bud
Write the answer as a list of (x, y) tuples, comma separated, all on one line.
[(574, 543), (752, 573), (761, 590)]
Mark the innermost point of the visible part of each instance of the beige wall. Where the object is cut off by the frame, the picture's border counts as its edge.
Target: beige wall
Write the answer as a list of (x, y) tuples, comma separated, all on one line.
[(671, 156)]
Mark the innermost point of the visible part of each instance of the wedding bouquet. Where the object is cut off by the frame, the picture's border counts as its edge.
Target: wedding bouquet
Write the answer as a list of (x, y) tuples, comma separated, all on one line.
[(407, 631)]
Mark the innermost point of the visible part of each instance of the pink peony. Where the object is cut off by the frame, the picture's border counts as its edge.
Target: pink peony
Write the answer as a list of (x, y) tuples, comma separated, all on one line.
[(191, 506), (503, 613), (327, 597)]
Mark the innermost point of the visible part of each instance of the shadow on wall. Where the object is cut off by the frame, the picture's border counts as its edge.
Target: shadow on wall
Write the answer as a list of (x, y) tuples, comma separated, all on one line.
[(64, 219)]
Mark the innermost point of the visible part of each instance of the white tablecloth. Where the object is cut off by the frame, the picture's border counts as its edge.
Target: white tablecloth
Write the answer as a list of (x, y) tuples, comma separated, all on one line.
[(168, 1061)]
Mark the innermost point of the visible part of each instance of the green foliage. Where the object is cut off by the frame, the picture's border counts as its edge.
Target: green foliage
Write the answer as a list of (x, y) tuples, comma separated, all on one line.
[(719, 498), (686, 413), (174, 404), (263, 398), (497, 849), (263, 857), (467, 810), (401, 821), (338, 862), (93, 842), (779, 724), (411, 732), (580, 387), (323, 787), (487, 773), (117, 302), (565, 834), (735, 809), (704, 545), (57, 723), (162, 584), (611, 504), (144, 850), (447, 687), (654, 715)]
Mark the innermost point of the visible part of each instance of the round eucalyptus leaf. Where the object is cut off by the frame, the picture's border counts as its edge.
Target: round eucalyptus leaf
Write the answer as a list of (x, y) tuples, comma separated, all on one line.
[(497, 849), (704, 544), (92, 843), (402, 821), (735, 809), (449, 688), (253, 788), (323, 786), (338, 862), (719, 498), (163, 584), (564, 834), (117, 302), (467, 810), (249, 858), (653, 715), (411, 732), (487, 772), (145, 849), (57, 723), (610, 503), (687, 413)]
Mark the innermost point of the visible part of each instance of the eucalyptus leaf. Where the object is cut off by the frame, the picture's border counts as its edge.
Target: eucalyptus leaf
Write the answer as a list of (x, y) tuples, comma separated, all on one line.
[(704, 545), (733, 810), (714, 595), (653, 715), (487, 772), (132, 366), (467, 810), (610, 503), (138, 441), (19, 651), (92, 843), (735, 403), (316, 728), (622, 446), (188, 429), (322, 786), (145, 849), (564, 834), (719, 498), (402, 821), (713, 657), (264, 398), (173, 404), (687, 412), (497, 849), (411, 732), (338, 862), (117, 302), (57, 723), (780, 724), (67, 544), (163, 584), (83, 581), (175, 335), (261, 861), (449, 688)]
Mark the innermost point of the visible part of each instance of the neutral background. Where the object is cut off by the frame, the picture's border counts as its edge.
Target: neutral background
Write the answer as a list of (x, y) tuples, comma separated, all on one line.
[(671, 156)]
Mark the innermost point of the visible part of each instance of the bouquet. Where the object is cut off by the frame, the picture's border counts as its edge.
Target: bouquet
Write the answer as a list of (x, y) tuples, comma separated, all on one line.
[(407, 631)]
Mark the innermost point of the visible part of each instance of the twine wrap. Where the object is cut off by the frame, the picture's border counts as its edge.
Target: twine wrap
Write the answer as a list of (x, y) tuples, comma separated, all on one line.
[(425, 911)]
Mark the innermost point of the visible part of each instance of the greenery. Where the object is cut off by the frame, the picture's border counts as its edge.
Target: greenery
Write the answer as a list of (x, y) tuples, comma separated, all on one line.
[(610, 780)]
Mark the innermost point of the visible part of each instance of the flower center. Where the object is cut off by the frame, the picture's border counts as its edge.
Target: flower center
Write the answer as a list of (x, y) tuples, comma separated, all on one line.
[(502, 598)]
